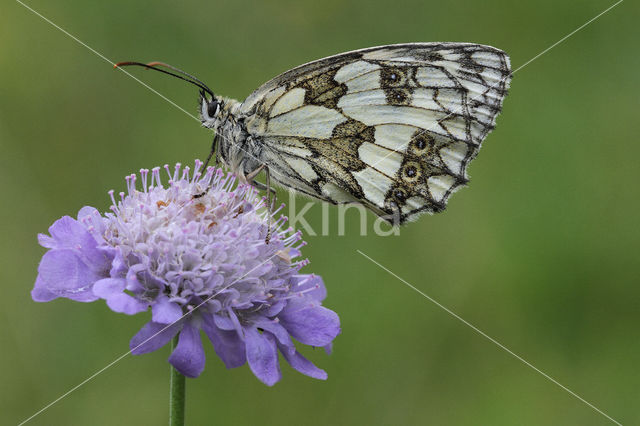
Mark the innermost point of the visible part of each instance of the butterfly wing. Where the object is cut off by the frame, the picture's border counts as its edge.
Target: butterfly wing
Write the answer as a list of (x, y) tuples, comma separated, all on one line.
[(393, 127)]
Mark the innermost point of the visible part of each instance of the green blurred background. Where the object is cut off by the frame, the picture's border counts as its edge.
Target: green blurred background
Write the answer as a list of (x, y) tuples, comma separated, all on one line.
[(540, 252)]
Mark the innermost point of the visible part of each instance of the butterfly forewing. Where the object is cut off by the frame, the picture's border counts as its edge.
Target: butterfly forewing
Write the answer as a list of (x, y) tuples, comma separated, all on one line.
[(392, 127)]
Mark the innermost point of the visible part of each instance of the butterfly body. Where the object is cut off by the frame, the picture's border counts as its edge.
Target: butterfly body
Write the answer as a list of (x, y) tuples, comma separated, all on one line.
[(238, 150), (391, 127)]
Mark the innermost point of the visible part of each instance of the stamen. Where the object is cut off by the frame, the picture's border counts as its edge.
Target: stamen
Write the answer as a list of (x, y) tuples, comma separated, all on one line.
[(277, 210), (301, 292), (113, 200), (144, 173), (176, 174), (132, 184), (155, 177), (198, 164)]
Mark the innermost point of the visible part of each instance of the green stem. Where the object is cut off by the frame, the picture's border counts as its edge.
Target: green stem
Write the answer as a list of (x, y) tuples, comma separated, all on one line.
[(176, 393)]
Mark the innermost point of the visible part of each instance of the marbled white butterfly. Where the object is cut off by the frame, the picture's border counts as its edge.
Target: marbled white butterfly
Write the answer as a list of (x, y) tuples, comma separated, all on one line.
[(392, 127)]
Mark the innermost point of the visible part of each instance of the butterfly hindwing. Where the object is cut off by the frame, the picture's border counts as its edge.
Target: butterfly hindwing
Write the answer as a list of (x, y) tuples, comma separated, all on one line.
[(392, 127)]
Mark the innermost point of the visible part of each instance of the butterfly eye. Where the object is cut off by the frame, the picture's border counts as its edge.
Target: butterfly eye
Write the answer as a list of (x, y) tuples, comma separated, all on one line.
[(212, 108)]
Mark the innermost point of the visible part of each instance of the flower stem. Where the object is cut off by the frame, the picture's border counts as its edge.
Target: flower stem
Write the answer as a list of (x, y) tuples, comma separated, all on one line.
[(176, 393)]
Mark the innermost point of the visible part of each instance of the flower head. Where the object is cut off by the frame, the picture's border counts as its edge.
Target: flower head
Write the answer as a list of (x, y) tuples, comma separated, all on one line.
[(199, 264)]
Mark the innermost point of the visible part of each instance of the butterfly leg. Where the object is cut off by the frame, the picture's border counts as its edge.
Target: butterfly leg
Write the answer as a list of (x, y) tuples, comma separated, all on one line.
[(261, 186), (271, 193), (270, 203), (206, 163), (214, 145)]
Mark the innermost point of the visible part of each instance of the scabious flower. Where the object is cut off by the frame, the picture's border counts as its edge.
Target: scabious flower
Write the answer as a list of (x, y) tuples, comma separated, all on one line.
[(199, 264)]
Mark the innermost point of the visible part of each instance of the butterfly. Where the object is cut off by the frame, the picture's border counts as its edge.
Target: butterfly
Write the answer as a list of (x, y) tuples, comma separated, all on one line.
[(391, 127)]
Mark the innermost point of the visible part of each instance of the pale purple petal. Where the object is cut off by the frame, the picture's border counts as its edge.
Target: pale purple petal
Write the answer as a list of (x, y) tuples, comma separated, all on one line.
[(235, 321), (278, 331), (303, 365), (108, 287), (92, 217), (262, 356), (125, 304), (164, 311), (89, 213), (227, 344), (118, 266), (188, 356), (69, 233), (63, 273), (328, 348), (46, 241), (133, 284), (275, 308), (138, 277), (224, 323), (152, 337), (40, 292), (311, 324)]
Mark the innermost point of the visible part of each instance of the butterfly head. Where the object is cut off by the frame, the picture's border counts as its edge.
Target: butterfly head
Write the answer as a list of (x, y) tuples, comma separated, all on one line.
[(210, 110)]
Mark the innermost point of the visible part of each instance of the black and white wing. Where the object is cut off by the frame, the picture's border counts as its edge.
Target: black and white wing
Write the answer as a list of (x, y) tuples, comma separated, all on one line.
[(393, 127)]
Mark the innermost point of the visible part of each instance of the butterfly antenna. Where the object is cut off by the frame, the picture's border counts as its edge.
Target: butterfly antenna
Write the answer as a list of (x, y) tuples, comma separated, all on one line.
[(178, 70), (152, 65)]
